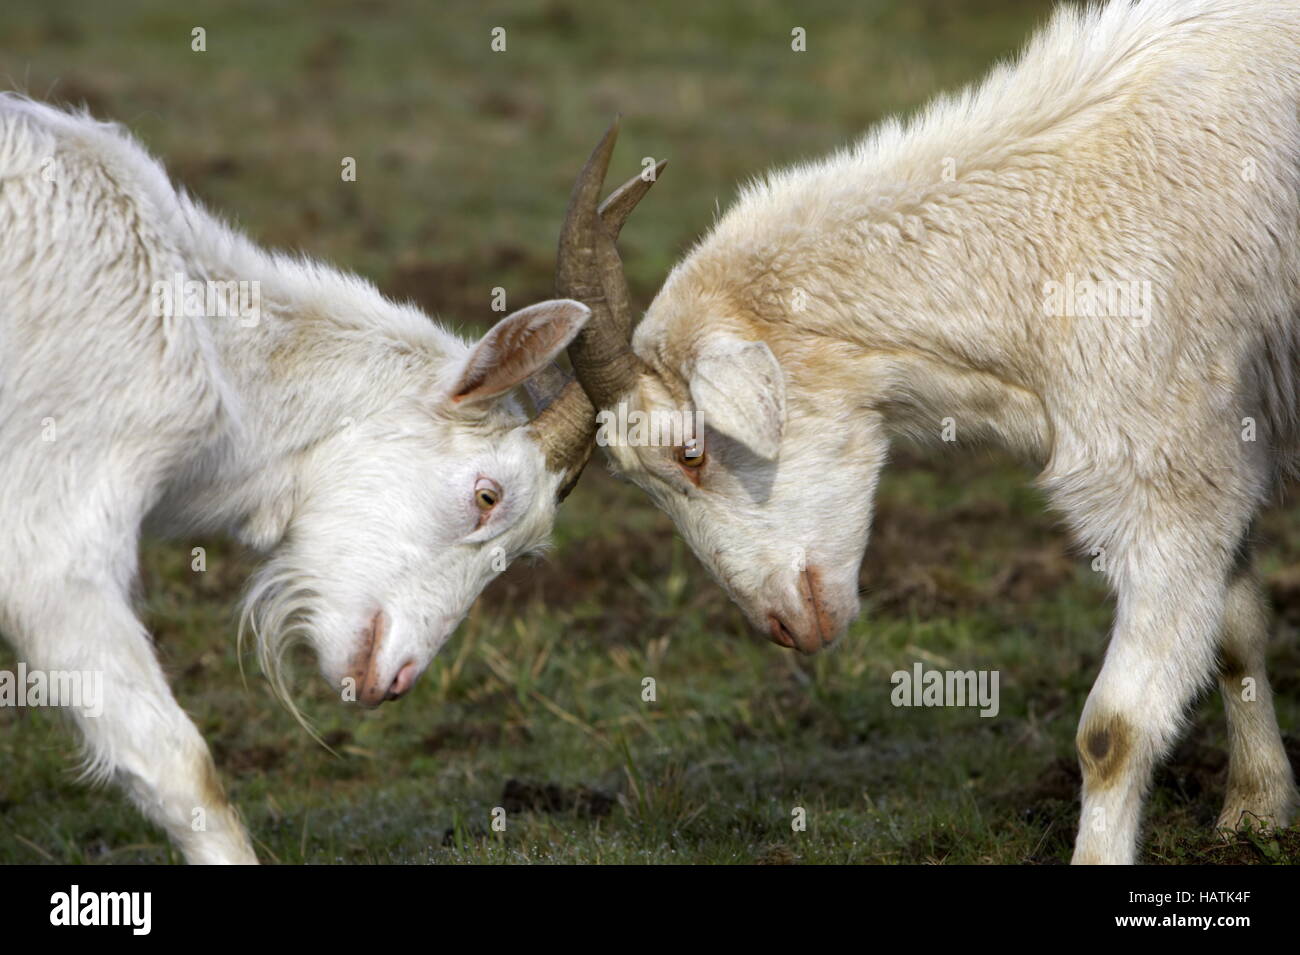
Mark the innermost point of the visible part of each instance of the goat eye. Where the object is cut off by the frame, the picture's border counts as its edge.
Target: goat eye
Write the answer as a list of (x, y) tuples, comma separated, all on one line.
[(691, 453), (487, 493)]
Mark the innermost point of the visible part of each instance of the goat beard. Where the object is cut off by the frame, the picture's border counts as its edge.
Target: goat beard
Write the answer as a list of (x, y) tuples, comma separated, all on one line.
[(278, 611)]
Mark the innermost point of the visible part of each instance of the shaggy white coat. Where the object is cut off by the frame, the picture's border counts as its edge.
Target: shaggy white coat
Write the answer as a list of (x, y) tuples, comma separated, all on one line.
[(910, 285), (336, 430)]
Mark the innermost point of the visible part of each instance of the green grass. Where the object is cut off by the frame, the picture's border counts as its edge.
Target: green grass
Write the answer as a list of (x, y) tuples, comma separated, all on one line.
[(464, 160)]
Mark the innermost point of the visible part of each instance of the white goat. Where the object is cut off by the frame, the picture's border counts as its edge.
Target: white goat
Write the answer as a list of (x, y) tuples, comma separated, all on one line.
[(949, 272), (156, 367)]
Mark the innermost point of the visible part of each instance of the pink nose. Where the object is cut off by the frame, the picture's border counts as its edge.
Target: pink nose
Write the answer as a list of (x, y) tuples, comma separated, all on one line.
[(403, 682), (371, 691), (811, 629)]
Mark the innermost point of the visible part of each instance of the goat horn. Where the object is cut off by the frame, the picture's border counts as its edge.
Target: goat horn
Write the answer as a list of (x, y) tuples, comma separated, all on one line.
[(589, 269), (565, 430)]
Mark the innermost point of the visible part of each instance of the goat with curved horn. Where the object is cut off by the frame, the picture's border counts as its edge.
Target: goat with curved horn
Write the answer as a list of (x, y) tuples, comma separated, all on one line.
[(588, 269), (379, 460), (822, 317)]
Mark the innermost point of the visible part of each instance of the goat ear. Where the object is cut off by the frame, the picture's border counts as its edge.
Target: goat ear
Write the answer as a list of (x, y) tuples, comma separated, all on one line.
[(739, 388), (517, 347)]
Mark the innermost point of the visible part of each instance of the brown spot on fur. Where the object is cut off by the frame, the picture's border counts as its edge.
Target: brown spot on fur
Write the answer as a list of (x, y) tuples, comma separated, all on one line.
[(1104, 746), (210, 788), (1231, 667)]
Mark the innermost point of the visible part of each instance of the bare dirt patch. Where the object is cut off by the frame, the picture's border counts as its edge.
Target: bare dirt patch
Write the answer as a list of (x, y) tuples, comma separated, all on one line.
[(522, 796)]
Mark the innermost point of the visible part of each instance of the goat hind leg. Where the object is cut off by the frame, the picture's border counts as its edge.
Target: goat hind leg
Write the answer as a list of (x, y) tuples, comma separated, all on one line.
[(1161, 654), (1261, 790)]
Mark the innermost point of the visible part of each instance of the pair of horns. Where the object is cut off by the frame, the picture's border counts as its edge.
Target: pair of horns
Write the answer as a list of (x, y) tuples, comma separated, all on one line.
[(588, 269)]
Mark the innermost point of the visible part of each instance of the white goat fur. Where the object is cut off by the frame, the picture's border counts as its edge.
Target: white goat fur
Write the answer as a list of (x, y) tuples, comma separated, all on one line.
[(325, 432), (901, 282)]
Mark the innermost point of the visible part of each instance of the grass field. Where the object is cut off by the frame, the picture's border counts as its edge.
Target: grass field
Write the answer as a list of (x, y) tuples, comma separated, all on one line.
[(464, 158)]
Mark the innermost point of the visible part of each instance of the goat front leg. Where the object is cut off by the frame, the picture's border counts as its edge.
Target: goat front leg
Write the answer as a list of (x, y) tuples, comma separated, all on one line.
[(1162, 652), (1261, 788), (136, 733)]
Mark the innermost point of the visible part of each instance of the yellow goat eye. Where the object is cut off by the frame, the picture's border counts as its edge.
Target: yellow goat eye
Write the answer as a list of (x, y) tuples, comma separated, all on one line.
[(691, 454), (486, 494)]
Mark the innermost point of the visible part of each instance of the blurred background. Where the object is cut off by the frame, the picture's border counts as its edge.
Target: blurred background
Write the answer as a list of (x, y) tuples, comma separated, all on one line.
[(464, 159)]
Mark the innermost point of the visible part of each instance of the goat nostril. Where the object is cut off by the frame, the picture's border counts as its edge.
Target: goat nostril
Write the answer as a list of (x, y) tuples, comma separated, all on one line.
[(403, 682), (780, 632)]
